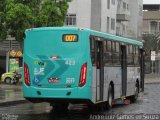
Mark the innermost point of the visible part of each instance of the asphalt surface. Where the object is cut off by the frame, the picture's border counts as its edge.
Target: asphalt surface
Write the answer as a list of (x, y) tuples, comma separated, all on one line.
[(146, 108), (11, 95)]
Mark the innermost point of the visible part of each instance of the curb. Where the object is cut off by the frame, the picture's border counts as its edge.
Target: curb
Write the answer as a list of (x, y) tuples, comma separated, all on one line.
[(156, 82), (4, 86), (152, 81), (11, 103)]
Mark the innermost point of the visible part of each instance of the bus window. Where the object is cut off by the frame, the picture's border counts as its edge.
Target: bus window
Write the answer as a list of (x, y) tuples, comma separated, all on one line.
[(116, 54), (92, 49), (136, 56), (108, 53), (113, 47), (109, 45), (105, 46), (130, 55), (117, 47)]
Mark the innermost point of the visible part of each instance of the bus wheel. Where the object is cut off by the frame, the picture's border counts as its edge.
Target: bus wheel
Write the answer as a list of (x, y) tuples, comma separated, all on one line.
[(60, 107), (135, 96), (92, 107), (110, 97)]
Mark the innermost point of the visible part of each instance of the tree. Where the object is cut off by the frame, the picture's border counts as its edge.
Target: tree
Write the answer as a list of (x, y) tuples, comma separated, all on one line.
[(152, 42), (18, 15), (3, 32)]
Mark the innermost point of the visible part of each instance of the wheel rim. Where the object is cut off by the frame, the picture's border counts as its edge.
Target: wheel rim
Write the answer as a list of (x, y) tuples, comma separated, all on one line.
[(8, 80)]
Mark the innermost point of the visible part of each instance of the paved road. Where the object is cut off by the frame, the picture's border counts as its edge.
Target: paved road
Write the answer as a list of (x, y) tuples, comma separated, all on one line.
[(10, 93), (149, 104)]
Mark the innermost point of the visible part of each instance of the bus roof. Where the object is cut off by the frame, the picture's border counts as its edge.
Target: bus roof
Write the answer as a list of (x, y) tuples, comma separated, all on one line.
[(92, 32), (52, 28), (116, 38)]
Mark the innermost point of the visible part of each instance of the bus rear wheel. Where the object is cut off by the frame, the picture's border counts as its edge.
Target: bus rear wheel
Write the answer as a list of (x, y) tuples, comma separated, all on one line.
[(110, 97), (60, 107)]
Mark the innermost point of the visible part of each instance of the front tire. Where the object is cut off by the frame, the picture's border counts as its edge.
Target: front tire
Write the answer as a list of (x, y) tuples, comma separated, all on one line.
[(60, 107)]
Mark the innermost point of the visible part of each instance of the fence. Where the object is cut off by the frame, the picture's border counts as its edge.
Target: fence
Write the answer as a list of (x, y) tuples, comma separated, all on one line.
[(152, 69)]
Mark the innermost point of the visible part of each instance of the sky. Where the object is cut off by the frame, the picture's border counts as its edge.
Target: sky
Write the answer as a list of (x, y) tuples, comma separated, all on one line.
[(151, 1)]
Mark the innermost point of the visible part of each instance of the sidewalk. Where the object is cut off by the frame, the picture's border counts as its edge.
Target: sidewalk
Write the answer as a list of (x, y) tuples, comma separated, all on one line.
[(152, 78), (11, 94)]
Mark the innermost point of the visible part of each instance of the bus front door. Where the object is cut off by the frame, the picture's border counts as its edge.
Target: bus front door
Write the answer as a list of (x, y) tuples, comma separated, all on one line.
[(99, 71), (142, 69), (124, 69)]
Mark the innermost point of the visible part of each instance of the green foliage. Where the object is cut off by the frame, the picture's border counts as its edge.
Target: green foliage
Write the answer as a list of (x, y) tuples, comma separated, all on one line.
[(48, 14), (152, 42), (18, 15), (3, 32), (18, 18)]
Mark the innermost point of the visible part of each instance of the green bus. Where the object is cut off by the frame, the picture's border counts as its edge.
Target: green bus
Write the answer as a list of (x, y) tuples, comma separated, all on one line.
[(65, 65)]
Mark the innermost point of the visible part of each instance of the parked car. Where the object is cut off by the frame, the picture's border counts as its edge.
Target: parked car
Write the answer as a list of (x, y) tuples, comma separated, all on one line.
[(8, 77)]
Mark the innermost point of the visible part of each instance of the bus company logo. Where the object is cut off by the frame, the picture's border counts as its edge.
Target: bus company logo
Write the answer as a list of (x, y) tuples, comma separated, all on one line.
[(39, 71), (40, 63), (53, 80)]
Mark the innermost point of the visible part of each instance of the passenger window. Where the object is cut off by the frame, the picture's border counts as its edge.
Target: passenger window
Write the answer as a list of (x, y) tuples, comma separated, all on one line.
[(136, 56), (113, 47), (116, 54), (92, 49), (117, 47), (130, 55), (109, 46), (104, 46), (108, 53)]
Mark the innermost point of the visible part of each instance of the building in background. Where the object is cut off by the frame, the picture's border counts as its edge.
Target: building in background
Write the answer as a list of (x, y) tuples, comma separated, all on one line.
[(118, 17), (135, 25), (98, 15), (123, 18), (151, 28), (151, 16), (5, 46)]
